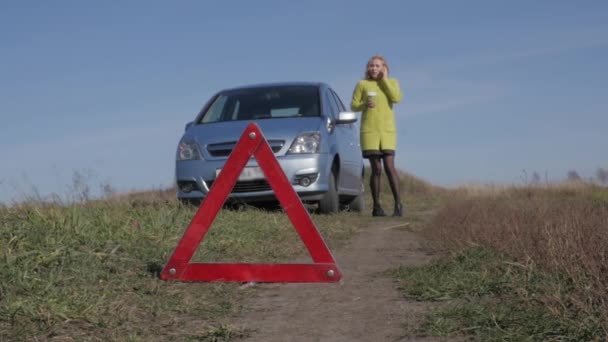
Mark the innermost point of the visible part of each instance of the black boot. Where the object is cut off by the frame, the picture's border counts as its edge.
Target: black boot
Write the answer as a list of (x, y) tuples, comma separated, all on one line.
[(378, 211), (398, 210)]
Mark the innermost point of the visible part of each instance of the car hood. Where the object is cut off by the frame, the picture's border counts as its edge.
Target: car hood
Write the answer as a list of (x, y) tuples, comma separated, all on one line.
[(273, 129)]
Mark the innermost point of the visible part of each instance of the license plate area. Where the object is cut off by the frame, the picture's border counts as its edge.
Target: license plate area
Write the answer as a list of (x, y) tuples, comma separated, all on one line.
[(248, 173)]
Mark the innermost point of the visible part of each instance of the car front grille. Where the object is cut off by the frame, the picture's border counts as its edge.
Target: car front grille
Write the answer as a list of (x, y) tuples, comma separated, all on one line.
[(248, 186), (224, 149)]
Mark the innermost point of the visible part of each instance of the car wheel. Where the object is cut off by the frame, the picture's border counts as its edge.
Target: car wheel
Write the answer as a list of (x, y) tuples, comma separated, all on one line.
[(358, 204), (330, 203)]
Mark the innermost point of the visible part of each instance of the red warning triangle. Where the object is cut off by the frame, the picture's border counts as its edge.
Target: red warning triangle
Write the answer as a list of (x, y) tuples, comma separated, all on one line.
[(251, 143)]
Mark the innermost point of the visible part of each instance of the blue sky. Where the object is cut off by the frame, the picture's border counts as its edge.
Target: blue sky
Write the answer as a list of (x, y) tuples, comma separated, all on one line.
[(491, 88)]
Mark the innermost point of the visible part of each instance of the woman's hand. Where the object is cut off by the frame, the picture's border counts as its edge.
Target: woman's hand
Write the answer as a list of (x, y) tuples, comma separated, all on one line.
[(370, 104), (383, 72)]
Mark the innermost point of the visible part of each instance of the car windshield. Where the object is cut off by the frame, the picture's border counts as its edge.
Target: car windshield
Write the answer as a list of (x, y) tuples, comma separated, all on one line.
[(264, 103)]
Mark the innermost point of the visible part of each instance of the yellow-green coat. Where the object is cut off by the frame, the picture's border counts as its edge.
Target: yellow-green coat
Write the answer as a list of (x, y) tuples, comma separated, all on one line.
[(378, 131)]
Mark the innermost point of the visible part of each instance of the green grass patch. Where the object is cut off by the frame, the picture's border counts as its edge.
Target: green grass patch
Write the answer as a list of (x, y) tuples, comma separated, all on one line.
[(601, 196), (464, 275), (486, 297), (91, 271)]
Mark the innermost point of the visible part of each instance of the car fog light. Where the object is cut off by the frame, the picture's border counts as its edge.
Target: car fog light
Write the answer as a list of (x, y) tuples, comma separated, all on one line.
[(187, 186), (305, 181)]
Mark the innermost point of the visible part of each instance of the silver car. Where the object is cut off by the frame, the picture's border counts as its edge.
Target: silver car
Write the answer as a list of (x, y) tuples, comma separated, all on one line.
[(313, 136)]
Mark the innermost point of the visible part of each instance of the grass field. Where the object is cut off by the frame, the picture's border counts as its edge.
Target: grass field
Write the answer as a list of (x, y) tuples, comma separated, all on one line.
[(91, 270), (527, 263)]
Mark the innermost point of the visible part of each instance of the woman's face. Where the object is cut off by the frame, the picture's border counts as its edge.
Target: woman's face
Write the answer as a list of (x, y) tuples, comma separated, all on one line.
[(374, 68)]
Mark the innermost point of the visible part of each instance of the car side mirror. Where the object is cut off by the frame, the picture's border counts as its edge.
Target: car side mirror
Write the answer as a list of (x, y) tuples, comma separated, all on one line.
[(346, 118), (188, 125)]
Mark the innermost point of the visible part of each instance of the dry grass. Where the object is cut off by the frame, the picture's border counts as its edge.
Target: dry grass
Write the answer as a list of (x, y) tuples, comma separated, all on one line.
[(413, 185), (410, 184), (561, 230), (491, 189)]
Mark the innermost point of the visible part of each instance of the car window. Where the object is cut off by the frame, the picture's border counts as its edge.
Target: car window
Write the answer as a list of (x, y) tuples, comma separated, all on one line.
[(264, 103), (216, 109), (332, 104), (338, 101), (284, 112)]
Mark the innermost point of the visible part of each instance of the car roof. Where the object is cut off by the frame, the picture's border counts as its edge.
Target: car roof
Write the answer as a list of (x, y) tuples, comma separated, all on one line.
[(277, 84)]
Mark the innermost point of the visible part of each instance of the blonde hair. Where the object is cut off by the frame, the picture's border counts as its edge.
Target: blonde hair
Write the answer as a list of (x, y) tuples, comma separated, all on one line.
[(378, 57)]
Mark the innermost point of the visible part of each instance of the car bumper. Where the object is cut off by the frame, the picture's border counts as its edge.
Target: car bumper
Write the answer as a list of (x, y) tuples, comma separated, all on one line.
[(202, 173)]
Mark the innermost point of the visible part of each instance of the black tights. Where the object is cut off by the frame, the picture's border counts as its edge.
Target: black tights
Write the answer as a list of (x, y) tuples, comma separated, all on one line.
[(391, 173)]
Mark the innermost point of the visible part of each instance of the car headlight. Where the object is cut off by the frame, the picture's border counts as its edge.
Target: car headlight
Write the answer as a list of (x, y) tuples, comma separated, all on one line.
[(188, 150), (306, 143)]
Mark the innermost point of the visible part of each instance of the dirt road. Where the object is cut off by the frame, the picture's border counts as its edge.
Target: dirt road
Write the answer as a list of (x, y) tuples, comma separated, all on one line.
[(365, 306)]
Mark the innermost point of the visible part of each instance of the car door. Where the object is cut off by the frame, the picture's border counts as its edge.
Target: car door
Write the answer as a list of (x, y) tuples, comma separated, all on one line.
[(354, 160), (347, 147)]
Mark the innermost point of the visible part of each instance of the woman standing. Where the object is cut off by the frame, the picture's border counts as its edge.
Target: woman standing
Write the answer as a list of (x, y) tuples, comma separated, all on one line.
[(374, 96)]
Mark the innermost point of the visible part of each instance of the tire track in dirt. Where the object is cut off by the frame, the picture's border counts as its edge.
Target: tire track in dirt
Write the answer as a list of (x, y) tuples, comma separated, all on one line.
[(364, 306)]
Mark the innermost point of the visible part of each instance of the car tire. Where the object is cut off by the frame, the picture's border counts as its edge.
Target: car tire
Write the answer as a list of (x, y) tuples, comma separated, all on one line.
[(330, 203), (358, 203)]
